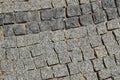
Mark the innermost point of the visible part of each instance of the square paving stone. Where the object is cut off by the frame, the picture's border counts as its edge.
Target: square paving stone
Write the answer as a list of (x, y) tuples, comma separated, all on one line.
[(33, 27), (34, 75), (19, 29), (72, 22), (86, 20), (101, 51), (45, 25), (74, 68), (95, 41), (47, 14), (36, 50), (21, 41), (58, 3), (32, 39), (105, 73), (72, 2), (60, 70), (40, 61), (83, 42), (2, 53), (24, 52), (113, 24), (86, 66), (21, 17), (86, 9), (76, 55), (10, 42), (29, 64), (91, 76), (111, 13), (33, 16), (99, 16), (76, 33), (12, 53), (59, 12), (101, 28), (115, 71), (91, 30), (58, 35), (96, 5), (76, 77), (58, 24), (72, 45), (117, 34), (98, 64), (73, 10), (109, 61), (8, 18), (46, 73), (84, 1), (8, 30), (18, 65), (108, 4), (45, 4)]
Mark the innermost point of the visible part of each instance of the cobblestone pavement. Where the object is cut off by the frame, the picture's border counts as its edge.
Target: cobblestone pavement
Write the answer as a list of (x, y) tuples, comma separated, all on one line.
[(60, 39)]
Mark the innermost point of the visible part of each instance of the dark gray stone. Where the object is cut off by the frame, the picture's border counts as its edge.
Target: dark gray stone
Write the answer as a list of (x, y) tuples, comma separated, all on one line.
[(99, 16), (8, 18), (58, 24), (118, 3), (96, 6), (58, 3), (72, 2), (60, 70), (108, 4), (8, 30), (45, 4), (19, 29), (73, 10), (1, 19), (47, 14), (86, 9), (33, 16), (111, 13), (45, 25), (72, 22), (86, 20), (33, 27), (59, 12), (21, 17), (98, 64)]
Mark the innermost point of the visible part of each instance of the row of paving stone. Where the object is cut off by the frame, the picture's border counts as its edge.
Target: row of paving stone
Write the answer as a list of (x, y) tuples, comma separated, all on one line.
[(25, 5), (84, 53)]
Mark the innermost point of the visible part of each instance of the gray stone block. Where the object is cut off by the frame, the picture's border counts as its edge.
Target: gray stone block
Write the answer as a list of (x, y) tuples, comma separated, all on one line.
[(99, 16), (105, 73), (45, 4), (95, 41), (108, 4), (40, 61), (72, 22), (47, 14), (72, 45), (60, 70), (59, 12), (46, 73), (74, 68), (58, 3), (91, 76), (45, 25), (21, 17), (86, 20), (33, 27), (8, 30), (98, 64), (117, 34), (111, 13), (113, 24), (101, 51), (117, 57), (76, 33), (19, 29), (86, 67), (21, 41), (33, 16), (91, 30), (58, 24), (86, 8), (24, 52), (96, 5), (8, 18), (109, 61), (1, 18), (117, 3), (18, 65), (101, 28), (72, 2), (73, 10), (34, 75), (76, 77)]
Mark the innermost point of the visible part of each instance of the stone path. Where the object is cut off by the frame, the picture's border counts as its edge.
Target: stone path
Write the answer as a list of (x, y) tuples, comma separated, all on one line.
[(60, 39)]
